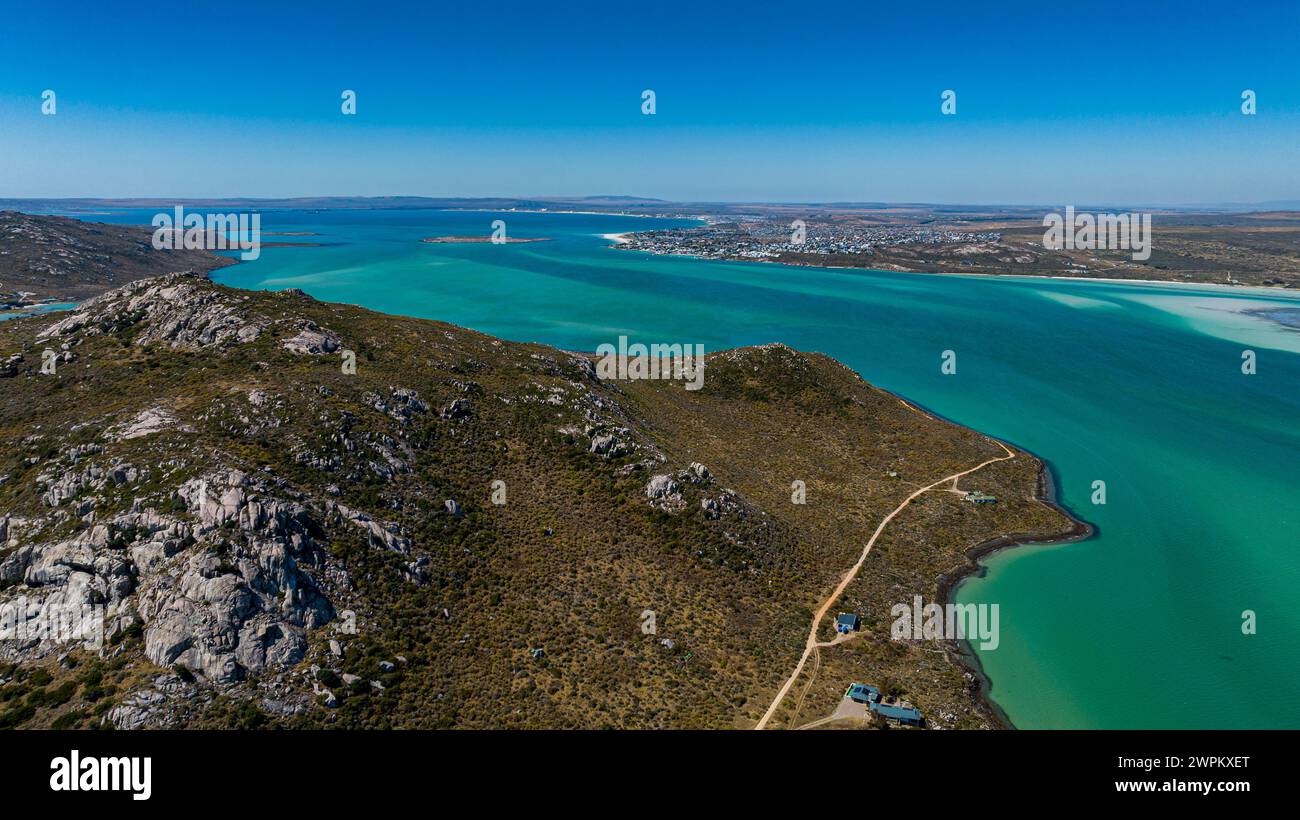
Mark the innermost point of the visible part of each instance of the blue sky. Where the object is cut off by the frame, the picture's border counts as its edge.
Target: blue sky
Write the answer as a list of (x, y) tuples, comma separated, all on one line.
[(1129, 103)]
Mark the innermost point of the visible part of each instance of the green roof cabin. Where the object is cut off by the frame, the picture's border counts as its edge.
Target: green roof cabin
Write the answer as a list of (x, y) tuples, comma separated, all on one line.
[(862, 693)]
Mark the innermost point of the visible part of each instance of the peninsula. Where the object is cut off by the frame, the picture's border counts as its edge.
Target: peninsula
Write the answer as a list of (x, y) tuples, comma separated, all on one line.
[(459, 531)]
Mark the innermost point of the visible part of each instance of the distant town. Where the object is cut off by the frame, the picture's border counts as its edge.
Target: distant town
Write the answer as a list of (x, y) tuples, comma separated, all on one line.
[(771, 239), (1220, 248)]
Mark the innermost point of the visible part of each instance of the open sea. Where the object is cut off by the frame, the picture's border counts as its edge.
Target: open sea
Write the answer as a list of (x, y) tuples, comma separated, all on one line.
[(1139, 386)]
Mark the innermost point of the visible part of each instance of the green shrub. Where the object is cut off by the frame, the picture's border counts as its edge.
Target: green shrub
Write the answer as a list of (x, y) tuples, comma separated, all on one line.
[(327, 677), (39, 677), (68, 720), (16, 715)]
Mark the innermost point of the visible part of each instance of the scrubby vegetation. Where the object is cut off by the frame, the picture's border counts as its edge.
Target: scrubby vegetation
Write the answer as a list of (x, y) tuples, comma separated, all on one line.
[(464, 612)]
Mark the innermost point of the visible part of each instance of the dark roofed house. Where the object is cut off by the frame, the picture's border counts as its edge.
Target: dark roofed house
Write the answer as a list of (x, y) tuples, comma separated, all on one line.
[(907, 715), (846, 622), (863, 693)]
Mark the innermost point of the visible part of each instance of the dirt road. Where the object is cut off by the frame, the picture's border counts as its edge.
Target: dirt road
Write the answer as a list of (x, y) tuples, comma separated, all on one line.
[(812, 644)]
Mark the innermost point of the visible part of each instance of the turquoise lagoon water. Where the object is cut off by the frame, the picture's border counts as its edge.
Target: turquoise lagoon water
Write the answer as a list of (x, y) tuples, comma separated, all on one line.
[(18, 313), (1136, 385)]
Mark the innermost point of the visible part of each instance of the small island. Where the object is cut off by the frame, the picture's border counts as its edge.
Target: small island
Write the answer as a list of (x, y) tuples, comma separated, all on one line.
[(501, 241)]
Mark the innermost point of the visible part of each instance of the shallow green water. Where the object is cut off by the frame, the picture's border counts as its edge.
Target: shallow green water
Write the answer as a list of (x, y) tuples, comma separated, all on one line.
[(19, 313), (1136, 385)]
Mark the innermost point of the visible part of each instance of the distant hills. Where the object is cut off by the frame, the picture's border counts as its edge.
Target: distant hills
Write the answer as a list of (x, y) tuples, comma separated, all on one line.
[(65, 259), (612, 203), (599, 203)]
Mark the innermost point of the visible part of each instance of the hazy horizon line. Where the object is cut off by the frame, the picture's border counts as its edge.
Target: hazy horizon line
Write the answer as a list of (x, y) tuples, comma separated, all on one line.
[(609, 199)]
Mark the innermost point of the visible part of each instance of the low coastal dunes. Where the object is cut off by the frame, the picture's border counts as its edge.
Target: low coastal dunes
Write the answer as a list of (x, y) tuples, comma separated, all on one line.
[(200, 240), (457, 240), (293, 244)]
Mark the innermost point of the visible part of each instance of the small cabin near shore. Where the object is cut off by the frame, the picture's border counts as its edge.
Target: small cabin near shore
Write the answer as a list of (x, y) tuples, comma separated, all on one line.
[(862, 693), (847, 622), (894, 711), (977, 497)]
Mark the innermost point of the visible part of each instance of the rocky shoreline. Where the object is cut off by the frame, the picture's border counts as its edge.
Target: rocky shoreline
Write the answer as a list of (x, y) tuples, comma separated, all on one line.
[(959, 653)]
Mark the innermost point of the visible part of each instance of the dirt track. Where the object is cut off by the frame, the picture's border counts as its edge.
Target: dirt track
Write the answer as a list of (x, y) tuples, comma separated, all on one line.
[(811, 645)]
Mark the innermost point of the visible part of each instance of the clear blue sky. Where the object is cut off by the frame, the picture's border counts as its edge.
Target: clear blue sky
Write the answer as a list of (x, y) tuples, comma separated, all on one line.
[(1083, 103)]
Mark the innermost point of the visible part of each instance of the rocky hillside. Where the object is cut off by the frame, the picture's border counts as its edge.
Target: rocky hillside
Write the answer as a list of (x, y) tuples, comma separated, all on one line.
[(463, 532), (63, 259)]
